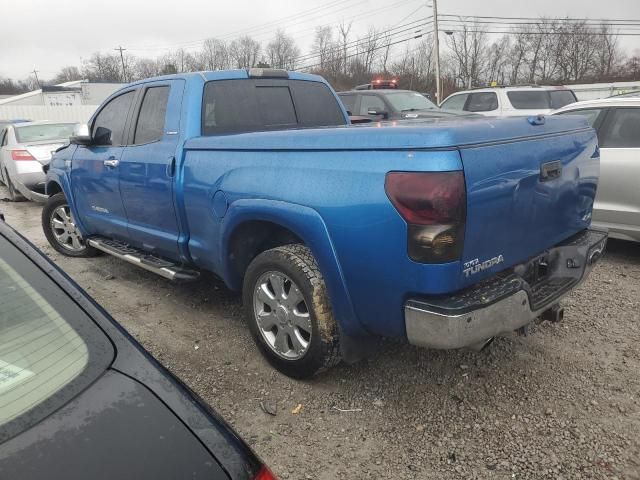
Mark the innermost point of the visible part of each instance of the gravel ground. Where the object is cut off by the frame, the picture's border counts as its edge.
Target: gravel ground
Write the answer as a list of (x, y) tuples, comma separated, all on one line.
[(562, 403)]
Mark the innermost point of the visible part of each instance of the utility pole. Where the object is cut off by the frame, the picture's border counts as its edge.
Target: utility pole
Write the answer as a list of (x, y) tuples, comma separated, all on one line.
[(124, 70), (436, 47), (35, 74)]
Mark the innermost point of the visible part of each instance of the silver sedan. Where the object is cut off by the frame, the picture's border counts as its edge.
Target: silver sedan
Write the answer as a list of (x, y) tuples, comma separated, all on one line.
[(25, 149), (617, 121)]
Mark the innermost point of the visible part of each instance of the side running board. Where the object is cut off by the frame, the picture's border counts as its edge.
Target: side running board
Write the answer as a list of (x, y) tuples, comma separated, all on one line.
[(160, 266)]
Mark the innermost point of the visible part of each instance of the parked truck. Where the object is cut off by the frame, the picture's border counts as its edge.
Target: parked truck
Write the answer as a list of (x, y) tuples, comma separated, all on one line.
[(443, 232)]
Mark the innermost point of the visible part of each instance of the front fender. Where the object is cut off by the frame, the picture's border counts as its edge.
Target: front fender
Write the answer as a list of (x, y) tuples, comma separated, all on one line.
[(308, 225), (59, 174)]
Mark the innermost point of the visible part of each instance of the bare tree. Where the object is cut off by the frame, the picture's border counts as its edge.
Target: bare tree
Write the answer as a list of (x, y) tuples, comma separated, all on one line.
[(282, 51), (67, 74), (103, 68), (343, 30), (244, 52), (215, 55), (468, 51), (322, 45)]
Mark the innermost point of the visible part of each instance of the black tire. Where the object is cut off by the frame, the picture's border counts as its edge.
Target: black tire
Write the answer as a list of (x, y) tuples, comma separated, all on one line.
[(14, 195), (54, 202), (298, 264)]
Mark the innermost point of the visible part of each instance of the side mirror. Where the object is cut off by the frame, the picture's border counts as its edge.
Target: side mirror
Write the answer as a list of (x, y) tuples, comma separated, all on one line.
[(376, 112), (81, 135)]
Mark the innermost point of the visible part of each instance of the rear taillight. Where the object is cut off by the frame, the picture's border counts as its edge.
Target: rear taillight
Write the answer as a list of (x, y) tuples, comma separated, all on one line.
[(265, 474), (434, 206), (21, 155)]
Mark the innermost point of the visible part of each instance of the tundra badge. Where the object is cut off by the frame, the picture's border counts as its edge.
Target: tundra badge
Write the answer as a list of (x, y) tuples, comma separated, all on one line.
[(474, 266)]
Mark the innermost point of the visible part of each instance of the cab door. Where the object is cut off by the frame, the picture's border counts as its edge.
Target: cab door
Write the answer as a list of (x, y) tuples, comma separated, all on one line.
[(95, 173), (148, 168), (618, 198)]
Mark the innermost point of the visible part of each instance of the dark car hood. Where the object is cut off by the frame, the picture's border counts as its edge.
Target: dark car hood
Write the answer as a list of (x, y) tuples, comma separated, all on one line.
[(115, 429)]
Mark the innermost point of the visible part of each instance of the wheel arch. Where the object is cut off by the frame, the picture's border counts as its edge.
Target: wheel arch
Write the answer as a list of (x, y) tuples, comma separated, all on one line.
[(291, 223)]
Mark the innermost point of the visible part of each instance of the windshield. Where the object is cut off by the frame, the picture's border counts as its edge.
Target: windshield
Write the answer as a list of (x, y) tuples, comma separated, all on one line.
[(40, 133), (408, 101)]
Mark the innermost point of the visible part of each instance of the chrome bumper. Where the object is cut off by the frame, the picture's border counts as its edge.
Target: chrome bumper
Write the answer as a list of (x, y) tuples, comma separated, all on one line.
[(506, 302)]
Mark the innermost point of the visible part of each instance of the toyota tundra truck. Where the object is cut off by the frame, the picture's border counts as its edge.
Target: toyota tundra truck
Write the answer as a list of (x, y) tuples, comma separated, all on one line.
[(444, 232)]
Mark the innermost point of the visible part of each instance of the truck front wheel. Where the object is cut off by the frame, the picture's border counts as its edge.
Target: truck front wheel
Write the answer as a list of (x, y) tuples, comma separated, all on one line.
[(61, 231), (289, 312)]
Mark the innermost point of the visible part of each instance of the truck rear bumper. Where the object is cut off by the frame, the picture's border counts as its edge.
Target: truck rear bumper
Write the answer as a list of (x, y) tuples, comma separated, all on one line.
[(506, 302)]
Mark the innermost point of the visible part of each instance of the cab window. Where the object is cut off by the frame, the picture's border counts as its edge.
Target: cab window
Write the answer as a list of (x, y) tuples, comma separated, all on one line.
[(108, 127), (150, 126)]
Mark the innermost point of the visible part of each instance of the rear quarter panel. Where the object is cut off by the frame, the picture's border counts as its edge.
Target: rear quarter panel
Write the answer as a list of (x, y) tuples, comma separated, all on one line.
[(346, 191)]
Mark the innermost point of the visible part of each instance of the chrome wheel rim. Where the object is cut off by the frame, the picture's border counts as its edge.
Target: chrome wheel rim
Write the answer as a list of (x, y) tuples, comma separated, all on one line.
[(65, 231), (282, 315)]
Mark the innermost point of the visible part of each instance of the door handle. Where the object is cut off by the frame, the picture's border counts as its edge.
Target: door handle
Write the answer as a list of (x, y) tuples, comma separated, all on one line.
[(112, 162)]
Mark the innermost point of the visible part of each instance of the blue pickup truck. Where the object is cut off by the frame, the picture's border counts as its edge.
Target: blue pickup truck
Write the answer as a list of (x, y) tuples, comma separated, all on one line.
[(444, 232)]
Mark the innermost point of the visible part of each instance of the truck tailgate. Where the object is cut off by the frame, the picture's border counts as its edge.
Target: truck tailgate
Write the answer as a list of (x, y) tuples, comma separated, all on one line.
[(524, 197)]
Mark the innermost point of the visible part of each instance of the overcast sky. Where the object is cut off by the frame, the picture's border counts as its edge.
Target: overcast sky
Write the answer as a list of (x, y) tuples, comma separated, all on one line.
[(48, 35)]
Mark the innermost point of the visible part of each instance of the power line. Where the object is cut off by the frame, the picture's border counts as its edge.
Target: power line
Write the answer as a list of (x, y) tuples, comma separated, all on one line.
[(519, 32), (400, 29), (197, 43), (541, 18), (254, 30), (386, 45)]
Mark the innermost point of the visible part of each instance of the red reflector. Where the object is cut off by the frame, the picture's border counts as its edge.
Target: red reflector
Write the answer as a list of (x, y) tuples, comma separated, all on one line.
[(21, 155), (427, 198), (265, 474)]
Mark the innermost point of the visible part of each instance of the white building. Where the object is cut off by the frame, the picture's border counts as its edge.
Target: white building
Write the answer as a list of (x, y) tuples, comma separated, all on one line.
[(71, 101)]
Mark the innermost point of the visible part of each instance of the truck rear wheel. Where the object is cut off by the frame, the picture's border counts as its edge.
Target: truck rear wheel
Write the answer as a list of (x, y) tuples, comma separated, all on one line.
[(61, 231), (289, 313)]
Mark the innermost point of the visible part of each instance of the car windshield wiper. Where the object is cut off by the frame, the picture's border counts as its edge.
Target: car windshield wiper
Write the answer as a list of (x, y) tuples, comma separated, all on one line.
[(415, 109)]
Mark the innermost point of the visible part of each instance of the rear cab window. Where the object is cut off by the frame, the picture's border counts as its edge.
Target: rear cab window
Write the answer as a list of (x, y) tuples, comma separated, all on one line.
[(49, 349), (233, 106)]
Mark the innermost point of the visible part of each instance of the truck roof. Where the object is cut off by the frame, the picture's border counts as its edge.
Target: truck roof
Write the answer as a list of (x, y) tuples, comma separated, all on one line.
[(232, 75)]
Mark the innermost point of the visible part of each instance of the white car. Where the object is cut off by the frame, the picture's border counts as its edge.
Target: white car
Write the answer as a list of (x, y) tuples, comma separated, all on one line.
[(509, 101), (617, 121), (25, 148)]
